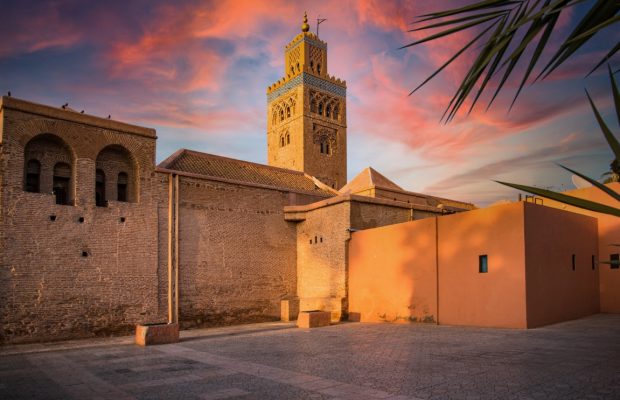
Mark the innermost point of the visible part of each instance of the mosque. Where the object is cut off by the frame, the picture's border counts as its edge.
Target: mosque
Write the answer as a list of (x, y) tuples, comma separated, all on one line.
[(96, 238)]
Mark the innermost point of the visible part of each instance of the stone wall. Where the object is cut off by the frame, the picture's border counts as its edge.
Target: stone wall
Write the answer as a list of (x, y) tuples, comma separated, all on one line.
[(237, 254), (76, 270)]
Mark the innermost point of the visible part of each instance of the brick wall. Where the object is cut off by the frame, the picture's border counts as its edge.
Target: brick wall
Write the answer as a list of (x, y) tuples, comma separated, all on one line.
[(237, 254), (69, 271)]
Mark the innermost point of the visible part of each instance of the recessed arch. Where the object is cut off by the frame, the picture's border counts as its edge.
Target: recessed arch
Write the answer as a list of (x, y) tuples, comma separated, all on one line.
[(48, 167), (118, 166)]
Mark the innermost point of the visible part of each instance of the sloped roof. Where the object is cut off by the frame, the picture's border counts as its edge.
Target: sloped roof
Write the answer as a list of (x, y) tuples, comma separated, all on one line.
[(368, 178), (212, 166)]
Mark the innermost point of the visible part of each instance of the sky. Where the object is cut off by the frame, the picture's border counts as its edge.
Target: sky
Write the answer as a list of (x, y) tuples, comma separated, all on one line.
[(197, 72)]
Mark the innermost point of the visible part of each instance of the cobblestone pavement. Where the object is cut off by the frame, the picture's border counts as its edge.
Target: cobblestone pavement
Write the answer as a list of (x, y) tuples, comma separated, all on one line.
[(572, 360)]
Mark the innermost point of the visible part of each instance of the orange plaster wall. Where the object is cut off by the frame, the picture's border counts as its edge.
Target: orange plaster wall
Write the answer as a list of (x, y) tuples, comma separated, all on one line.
[(556, 292), (609, 233), (392, 273), (493, 299)]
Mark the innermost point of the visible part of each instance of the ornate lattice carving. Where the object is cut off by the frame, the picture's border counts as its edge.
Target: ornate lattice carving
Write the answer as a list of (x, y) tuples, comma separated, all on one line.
[(284, 109), (322, 135), (325, 105), (293, 60)]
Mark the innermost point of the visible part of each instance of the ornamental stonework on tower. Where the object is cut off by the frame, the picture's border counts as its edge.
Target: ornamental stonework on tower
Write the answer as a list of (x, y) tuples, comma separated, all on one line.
[(306, 113)]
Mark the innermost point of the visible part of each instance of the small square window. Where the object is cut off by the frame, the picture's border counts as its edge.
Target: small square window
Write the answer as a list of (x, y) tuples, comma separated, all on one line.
[(615, 261), (483, 264)]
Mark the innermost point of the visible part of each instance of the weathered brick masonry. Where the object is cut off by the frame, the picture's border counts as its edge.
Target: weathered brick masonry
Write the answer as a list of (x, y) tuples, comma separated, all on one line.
[(74, 270)]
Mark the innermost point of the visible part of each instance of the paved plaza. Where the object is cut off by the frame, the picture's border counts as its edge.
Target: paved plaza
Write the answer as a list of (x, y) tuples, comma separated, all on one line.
[(572, 360)]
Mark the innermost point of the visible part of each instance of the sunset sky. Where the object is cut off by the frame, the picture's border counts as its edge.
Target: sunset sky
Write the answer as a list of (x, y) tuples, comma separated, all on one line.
[(197, 72)]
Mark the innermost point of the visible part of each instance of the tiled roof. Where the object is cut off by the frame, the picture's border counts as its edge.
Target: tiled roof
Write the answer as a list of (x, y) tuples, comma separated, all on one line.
[(212, 166)]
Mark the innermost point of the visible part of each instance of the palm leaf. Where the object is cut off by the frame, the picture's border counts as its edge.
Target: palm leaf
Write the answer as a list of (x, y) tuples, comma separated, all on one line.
[(448, 32), (494, 14), (481, 5), (542, 42), (600, 12), (537, 18), (454, 57), (616, 93), (604, 59), (566, 199), (611, 139), (595, 183)]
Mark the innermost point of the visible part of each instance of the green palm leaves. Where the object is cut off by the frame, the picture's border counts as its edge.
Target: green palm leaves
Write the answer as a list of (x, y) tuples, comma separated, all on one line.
[(615, 148), (516, 25)]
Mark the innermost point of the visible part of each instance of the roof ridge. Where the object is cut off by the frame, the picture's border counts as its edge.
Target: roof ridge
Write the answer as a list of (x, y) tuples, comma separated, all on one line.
[(370, 171)]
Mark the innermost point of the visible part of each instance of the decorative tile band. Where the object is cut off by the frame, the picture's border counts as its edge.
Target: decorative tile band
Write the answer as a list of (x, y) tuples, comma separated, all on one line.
[(310, 80)]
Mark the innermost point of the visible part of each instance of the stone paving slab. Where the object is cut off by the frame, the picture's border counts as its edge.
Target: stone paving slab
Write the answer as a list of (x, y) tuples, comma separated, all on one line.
[(572, 360)]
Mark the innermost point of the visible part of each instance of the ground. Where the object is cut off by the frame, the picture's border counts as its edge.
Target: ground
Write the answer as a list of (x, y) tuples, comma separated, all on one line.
[(572, 360)]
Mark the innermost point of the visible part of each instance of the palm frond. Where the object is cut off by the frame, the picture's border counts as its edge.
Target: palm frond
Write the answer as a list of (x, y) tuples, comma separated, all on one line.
[(594, 183), (537, 18), (566, 199)]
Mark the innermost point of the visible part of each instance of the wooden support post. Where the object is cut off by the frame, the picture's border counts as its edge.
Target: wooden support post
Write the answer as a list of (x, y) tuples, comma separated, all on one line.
[(173, 249)]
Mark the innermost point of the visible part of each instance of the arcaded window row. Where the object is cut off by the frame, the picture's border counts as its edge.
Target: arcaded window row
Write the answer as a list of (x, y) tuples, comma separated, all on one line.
[(50, 168)]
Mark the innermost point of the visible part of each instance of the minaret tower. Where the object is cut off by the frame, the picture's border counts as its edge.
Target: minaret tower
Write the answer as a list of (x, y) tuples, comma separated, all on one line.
[(306, 113)]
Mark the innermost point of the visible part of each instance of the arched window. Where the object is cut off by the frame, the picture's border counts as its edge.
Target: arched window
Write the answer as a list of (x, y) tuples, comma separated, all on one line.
[(288, 138), (100, 200), (318, 68), (60, 184), (121, 186), (288, 112), (281, 115), (292, 69), (328, 111), (48, 166), (281, 141), (33, 176), (275, 118), (320, 108), (313, 105), (336, 112), (298, 67), (312, 65), (325, 146), (119, 168)]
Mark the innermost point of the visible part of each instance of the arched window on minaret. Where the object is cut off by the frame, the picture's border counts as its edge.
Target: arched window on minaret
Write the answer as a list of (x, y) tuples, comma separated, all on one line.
[(313, 105), (336, 112), (320, 108), (281, 141), (288, 138), (288, 111), (328, 111), (281, 115), (318, 69)]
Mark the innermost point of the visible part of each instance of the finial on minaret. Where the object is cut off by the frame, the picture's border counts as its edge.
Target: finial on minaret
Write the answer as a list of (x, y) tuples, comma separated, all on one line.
[(305, 27)]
